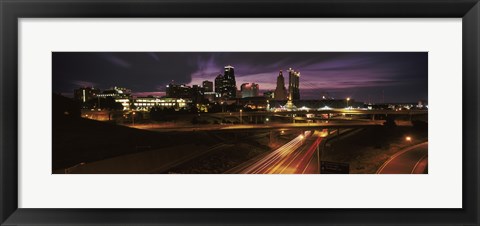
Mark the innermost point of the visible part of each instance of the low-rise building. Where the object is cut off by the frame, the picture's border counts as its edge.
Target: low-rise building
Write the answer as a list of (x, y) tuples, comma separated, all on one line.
[(147, 103)]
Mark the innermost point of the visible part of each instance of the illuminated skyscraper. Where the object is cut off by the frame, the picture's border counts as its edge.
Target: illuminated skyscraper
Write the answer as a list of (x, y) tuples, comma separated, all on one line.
[(280, 91), (225, 84), (218, 84), (293, 84)]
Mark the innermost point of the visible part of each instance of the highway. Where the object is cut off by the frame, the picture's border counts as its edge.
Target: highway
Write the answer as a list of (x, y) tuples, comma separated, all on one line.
[(264, 165), (411, 160), (292, 158), (298, 156)]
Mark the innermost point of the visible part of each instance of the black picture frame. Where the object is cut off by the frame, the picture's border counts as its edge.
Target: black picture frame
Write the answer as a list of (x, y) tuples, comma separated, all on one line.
[(12, 10)]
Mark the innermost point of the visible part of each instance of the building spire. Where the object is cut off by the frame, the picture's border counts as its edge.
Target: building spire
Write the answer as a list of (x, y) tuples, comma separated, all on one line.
[(280, 91)]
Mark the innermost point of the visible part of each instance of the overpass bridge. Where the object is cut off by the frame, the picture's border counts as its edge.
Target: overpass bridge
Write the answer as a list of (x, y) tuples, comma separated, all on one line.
[(310, 115), (264, 127), (318, 112)]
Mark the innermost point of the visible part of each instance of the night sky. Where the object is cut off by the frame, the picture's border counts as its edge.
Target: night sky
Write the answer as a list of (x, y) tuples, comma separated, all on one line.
[(369, 76)]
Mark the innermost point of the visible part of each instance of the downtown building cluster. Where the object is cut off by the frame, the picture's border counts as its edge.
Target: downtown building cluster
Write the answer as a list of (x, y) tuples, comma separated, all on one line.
[(220, 95), (117, 98), (223, 90)]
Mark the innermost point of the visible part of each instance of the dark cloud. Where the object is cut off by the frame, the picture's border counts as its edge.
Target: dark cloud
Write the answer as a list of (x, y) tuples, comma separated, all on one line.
[(138, 71)]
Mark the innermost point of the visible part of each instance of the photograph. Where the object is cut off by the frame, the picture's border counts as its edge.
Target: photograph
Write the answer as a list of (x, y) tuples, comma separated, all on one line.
[(239, 112), (275, 112)]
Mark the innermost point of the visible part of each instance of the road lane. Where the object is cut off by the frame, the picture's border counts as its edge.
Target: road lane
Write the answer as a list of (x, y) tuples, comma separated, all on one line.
[(292, 158), (272, 159), (300, 162), (410, 160)]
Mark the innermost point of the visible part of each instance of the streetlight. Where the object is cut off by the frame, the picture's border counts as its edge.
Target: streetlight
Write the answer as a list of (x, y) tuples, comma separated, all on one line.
[(408, 138), (133, 118), (348, 99), (241, 116)]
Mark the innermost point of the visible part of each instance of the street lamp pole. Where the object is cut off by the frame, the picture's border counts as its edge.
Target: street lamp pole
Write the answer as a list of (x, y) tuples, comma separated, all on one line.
[(348, 99), (133, 118), (241, 121)]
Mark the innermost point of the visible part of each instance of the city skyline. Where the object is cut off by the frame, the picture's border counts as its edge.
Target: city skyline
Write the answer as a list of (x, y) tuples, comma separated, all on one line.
[(374, 77), (240, 113)]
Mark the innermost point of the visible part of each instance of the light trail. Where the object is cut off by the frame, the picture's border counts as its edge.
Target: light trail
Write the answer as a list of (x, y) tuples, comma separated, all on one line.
[(282, 151), (299, 162), (273, 158), (308, 155), (295, 157)]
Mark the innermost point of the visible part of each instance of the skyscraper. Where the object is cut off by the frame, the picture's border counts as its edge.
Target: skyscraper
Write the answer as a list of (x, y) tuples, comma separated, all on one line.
[(293, 84), (249, 90), (225, 84), (229, 80), (280, 91), (219, 84)]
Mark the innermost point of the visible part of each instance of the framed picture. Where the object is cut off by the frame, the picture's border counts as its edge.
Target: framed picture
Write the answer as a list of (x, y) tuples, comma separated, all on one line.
[(242, 118), (225, 112)]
